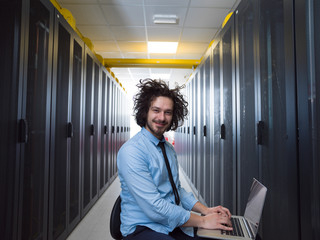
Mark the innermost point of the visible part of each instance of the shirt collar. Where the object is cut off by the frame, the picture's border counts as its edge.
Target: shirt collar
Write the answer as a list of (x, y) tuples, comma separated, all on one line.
[(150, 136)]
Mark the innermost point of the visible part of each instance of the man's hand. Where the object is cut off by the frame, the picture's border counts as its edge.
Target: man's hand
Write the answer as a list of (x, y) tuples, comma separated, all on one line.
[(219, 210)]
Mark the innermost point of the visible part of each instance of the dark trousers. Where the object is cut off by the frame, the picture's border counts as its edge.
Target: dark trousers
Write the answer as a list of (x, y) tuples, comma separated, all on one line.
[(144, 233)]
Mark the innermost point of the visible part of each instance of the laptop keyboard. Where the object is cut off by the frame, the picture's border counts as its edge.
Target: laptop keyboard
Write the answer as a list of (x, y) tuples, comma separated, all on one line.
[(237, 231)]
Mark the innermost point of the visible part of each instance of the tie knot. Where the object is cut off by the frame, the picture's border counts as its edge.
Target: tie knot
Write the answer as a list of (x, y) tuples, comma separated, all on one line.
[(161, 144)]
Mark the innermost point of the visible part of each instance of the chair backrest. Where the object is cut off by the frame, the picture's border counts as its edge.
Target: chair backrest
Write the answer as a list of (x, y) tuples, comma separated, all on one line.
[(115, 220)]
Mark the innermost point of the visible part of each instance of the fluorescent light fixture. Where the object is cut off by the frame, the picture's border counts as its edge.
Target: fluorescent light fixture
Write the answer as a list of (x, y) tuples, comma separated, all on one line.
[(165, 19), (162, 47)]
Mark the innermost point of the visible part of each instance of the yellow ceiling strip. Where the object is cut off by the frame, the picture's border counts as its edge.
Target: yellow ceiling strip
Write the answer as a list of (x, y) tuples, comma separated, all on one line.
[(150, 63)]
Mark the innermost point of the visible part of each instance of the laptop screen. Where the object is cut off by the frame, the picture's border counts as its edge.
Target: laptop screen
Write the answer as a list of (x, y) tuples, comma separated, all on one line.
[(255, 205)]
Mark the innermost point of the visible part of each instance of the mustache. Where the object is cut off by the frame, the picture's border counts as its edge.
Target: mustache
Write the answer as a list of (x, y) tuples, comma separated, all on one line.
[(160, 122)]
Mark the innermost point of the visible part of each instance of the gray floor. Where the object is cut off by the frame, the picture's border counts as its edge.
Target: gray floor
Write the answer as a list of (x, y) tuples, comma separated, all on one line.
[(95, 225)]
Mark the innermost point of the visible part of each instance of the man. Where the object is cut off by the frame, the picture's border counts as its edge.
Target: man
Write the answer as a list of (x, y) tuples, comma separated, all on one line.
[(153, 204)]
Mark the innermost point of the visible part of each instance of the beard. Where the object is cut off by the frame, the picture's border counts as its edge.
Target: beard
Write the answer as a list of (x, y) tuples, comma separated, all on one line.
[(157, 131)]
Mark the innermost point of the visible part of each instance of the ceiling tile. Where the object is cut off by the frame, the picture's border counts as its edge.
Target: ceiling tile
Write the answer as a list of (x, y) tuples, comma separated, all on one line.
[(162, 56), (76, 1), (86, 14), (123, 15), (185, 47), (105, 46), (121, 2), (215, 3), (164, 34), (204, 35), (138, 55), (110, 54), (96, 32), (180, 3), (189, 55), (132, 46), (139, 70), (205, 17), (132, 33)]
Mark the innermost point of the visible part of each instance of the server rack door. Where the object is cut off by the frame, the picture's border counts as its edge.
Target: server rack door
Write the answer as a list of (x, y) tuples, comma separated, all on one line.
[(308, 92), (247, 119), (228, 189), (60, 140), (200, 139), (215, 146), (194, 168), (109, 126), (206, 129), (10, 99), (113, 132), (190, 131), (96, 137), (278, 152), (77, 134), (88, 136), (103, 134), (36, 110)]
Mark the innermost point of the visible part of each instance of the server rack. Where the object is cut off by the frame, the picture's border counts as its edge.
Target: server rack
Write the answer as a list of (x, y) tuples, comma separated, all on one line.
[(52, 165)]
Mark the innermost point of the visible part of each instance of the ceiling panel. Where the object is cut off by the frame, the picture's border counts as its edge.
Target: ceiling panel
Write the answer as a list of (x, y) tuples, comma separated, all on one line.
[(121, 2), (213, 3), (204, 35), (180, 3), (125, 33), (105, 46), (123, 15), (164, 34), (132, 46), (206, 17), (96, 33), (86, 14)]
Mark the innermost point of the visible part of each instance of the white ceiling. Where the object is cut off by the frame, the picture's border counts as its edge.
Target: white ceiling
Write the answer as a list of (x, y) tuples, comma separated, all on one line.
[(122, 28)]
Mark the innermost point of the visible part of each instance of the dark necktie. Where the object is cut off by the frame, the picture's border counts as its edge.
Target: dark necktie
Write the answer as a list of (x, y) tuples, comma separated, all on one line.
[(175, 191)]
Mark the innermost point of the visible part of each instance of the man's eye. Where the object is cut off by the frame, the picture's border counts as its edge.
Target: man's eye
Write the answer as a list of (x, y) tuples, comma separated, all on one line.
[(156, 110), (169, 113)]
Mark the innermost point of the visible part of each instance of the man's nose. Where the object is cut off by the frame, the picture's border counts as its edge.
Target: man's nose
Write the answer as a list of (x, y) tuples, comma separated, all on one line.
[(161, 116)]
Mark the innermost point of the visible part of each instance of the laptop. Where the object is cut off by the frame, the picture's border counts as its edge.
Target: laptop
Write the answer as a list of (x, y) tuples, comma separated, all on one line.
[(246, 227)]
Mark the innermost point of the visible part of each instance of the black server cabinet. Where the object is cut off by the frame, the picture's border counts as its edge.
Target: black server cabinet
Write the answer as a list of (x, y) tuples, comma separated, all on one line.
[(206, 129), (249, 128), (200, 139), (228, 117), (308, 105), (60, 136), (96, 131), (278, 113), (88, 134), (35, 115), (12, 141), (103, 134), (215, 176), (64, 201), (109, 126)]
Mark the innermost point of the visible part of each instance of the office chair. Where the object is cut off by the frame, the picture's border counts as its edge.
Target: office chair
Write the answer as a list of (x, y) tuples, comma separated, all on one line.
[(115, 220)]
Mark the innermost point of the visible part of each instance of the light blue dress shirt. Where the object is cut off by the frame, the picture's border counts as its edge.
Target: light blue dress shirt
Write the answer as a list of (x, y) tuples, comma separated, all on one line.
[(147, 198)]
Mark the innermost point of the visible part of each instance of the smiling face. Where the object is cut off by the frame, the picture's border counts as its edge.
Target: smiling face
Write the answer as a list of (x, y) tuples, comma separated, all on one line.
[(159, 116)]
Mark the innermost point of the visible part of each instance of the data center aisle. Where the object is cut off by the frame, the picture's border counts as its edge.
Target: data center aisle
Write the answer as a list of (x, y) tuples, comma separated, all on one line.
[(95, 225)]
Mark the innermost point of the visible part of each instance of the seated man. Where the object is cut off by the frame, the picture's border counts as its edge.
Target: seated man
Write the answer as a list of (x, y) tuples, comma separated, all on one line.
[(153, 204)]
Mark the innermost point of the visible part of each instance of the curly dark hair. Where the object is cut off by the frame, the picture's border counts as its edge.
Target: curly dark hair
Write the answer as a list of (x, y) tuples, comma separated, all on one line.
[(150, 89)]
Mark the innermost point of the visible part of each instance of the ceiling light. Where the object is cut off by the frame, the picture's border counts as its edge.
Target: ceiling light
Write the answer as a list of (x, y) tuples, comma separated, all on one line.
[(165, 19), (162, 47)]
